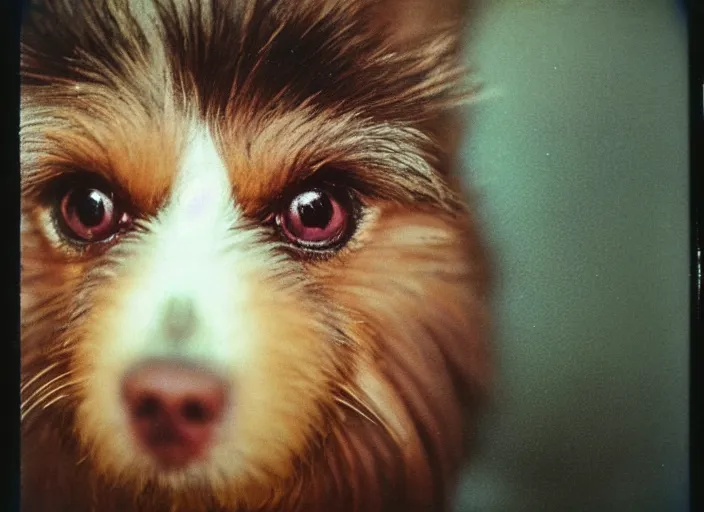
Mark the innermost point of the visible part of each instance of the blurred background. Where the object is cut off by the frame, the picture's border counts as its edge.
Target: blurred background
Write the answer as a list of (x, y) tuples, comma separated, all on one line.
[(579, 158)]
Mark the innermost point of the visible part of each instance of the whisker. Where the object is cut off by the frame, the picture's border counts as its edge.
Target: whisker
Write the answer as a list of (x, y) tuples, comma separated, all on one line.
[(25, 414), (47, 384), (37, 376), (28, 410), (33, 402), (355, 409), (50, 403), (354, 396), (378, 420)]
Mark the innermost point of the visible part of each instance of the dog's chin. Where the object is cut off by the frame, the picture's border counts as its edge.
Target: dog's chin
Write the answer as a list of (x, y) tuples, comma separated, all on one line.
[(235, 468), (222, 475)]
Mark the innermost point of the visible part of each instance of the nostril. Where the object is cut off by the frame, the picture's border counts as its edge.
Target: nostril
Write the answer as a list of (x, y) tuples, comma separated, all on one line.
[(194, 411), (147, 407)]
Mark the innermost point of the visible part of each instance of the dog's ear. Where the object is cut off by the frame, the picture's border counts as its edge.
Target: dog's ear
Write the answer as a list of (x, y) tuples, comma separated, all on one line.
[(410, 22)]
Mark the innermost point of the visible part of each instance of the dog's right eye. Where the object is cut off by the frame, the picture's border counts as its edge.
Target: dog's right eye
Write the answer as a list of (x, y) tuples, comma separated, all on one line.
[(90, 214)]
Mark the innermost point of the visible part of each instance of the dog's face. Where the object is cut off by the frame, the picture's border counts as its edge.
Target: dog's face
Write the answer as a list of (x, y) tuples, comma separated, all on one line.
[(246, 274)]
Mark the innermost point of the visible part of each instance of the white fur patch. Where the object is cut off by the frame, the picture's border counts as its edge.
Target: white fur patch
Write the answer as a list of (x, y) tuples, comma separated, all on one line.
[(188, 260)]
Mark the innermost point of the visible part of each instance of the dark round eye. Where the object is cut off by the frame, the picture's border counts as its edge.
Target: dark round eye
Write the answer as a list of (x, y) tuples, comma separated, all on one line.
[(316, 219), (89, 214)]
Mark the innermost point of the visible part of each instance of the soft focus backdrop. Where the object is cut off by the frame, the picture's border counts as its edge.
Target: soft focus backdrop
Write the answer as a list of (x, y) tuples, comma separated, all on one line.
[(579, 159)]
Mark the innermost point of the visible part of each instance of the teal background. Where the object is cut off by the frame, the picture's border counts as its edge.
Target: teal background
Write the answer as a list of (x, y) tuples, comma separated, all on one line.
[(578, 154)]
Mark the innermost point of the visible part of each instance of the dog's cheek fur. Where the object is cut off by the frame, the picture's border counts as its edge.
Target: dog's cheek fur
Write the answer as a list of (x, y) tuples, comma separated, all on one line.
[(49, 385), (413, 303)]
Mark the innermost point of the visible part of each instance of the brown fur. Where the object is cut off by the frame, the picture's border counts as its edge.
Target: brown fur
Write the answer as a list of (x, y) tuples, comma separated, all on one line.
[(391, 330)]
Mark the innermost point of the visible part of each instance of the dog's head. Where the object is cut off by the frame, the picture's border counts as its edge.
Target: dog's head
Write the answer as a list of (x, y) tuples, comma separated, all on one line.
[(247, 273)]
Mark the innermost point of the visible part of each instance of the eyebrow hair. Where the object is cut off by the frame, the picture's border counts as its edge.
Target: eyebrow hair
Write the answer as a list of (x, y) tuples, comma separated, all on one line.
[(136, 155), (385, 160), (265, 156)]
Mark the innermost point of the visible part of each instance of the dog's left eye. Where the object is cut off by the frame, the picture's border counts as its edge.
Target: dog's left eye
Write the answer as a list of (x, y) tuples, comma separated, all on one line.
[(316, 219)]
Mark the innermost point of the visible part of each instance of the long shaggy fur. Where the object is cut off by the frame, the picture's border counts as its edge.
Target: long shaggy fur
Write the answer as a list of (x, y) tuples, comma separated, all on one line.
[(370, 409)]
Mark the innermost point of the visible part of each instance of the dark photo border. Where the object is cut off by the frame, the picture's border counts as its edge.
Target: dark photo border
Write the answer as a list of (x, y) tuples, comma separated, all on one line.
[(10, 19)]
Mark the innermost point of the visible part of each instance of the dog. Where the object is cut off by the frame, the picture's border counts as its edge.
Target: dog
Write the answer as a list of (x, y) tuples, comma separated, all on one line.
[(251, 278)]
